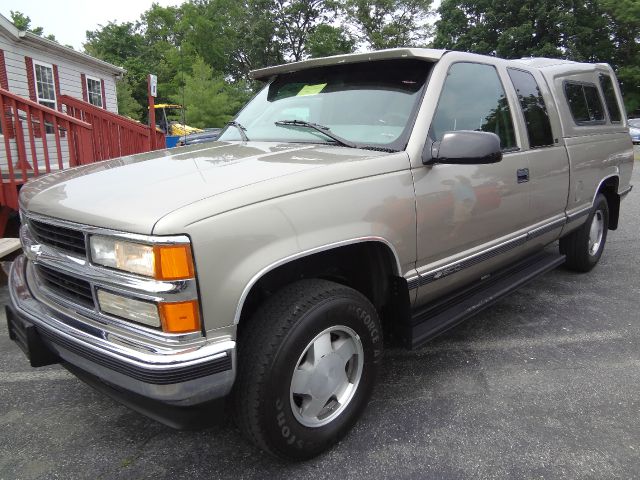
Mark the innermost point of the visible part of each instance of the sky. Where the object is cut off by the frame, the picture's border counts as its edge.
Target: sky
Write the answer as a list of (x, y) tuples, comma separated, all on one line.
[(69, 20)]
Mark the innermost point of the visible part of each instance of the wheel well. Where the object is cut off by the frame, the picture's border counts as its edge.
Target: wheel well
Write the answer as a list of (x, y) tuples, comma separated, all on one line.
[(368, 267), (609, 188)]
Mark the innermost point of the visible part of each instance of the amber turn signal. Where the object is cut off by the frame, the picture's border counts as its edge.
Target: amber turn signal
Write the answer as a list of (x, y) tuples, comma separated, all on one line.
[(180, 317), (173, 262)]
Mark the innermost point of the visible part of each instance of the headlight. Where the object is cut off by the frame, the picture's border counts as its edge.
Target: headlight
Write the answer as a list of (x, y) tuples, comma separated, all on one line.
[(162, 262)]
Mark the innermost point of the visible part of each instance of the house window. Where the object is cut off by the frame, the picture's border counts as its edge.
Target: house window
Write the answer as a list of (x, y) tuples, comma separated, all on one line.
[(94, 91), (45, 87)]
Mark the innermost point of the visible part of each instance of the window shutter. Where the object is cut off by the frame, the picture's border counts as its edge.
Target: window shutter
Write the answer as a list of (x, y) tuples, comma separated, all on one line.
[(28, 62), (31, 80), (56, 83), (4, 80), (83, 79), (4, 84), (104, 97)]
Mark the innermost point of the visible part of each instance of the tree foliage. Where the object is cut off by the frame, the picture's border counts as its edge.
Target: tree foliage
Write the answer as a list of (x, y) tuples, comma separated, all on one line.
[(23, 23), (222, 40), (209, 101), (127, 105), (326, 40), (390, 23)]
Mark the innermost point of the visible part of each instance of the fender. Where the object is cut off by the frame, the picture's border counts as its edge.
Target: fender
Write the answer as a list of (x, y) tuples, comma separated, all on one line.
[(306, 253)]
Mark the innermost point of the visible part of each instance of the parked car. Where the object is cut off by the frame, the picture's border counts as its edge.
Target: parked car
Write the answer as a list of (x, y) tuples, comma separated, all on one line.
[(634, 130), (207, 135), (384, 195)]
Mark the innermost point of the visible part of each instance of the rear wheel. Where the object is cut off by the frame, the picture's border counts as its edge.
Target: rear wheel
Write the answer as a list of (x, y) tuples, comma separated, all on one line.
[(584, 246), (307, 366)]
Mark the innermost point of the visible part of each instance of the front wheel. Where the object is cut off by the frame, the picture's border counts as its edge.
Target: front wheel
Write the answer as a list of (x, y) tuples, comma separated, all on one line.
[(584, 246), (307, 366)]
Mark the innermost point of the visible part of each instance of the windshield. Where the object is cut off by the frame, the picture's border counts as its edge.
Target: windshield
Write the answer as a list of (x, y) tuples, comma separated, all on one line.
[(634, 122), (369, 104)]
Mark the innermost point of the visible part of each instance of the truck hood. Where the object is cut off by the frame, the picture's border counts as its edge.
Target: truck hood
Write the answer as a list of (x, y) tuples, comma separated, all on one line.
[(132, 193)]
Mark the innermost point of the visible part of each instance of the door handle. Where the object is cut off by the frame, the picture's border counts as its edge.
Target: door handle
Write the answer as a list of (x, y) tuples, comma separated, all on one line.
[(523, 175)]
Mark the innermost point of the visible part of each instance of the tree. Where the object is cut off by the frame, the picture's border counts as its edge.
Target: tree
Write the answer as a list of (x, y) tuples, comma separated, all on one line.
[(23, 23), (296, 21), (389, 23), (624, 18), (326, 40), (122, 44), (209, 101), (127, 105), (509, 28)]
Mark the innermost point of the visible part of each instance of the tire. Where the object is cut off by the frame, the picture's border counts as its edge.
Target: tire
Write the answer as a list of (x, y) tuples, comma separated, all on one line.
[(306, 330), (584, 246)]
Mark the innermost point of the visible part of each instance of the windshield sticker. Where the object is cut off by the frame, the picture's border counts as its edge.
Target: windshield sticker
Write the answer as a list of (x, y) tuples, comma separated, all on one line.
[(311, 89)]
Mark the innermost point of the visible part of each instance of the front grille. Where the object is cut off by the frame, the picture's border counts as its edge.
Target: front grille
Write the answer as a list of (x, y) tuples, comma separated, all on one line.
[(72, 288), (60, 237)]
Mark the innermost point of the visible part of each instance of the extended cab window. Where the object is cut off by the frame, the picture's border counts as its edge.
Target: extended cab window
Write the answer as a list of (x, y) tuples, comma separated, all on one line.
[(584, 102), (610, 98), (473, 99), (533, 108)]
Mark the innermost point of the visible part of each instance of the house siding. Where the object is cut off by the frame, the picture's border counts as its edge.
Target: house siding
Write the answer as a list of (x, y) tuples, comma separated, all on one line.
[(68, 79), (70, 72), (52, 149)]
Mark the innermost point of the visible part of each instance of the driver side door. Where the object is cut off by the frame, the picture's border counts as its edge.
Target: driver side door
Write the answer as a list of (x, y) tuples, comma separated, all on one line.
[(468, 216)]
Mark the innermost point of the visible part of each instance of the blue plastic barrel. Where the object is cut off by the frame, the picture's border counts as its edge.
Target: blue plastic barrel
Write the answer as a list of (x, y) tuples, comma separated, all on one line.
[(172, 140)]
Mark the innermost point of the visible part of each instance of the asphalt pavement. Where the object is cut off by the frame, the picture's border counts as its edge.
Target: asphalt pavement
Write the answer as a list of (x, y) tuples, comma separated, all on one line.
[(545, 384)]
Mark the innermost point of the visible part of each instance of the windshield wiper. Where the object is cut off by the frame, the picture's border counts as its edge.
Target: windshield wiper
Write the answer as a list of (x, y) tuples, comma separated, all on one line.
[(240, 128), (319, 128), (379, 149)]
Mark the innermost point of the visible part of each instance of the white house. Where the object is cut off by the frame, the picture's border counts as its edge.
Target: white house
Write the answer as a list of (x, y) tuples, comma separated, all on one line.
[(42, 70), (58, 109)]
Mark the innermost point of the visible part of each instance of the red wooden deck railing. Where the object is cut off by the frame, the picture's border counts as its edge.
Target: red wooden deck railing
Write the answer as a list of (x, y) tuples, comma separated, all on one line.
[(113, 135), (37, 140)]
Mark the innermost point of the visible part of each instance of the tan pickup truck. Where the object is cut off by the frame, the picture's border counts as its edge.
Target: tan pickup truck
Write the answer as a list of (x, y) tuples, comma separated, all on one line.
[(385, 195)]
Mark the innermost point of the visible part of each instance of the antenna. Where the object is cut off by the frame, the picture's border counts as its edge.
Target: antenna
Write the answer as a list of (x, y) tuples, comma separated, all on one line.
[(184, 107)]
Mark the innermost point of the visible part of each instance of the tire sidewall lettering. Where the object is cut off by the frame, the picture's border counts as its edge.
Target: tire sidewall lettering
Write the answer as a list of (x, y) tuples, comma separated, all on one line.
[(283, 423)]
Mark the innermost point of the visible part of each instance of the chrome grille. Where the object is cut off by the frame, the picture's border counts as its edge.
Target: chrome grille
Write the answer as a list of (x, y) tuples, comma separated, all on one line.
[(72, 288), (57, 236)]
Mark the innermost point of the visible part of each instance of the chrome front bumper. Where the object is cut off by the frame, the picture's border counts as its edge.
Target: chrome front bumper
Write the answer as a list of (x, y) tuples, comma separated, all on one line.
[(181, 376)]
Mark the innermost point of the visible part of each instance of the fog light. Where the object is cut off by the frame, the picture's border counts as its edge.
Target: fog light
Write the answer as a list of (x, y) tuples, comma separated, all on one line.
[(138, 311)]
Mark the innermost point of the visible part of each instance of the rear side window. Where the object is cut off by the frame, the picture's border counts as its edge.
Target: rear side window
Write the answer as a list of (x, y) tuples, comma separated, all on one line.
[(584, 102), (473, 99), (610, 98), (533, 108)]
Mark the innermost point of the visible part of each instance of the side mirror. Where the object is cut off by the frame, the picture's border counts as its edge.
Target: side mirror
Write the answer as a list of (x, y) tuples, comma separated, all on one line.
[(464, 147)]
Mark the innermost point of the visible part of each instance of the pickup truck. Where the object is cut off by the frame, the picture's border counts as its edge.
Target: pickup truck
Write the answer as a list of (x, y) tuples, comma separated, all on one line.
[(357, 201)]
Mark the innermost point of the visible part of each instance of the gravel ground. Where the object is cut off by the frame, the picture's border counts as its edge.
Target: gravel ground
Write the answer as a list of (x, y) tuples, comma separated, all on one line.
[(546, 384)]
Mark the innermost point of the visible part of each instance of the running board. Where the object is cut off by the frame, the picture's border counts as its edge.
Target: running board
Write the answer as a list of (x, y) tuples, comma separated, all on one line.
[(441, 315)]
